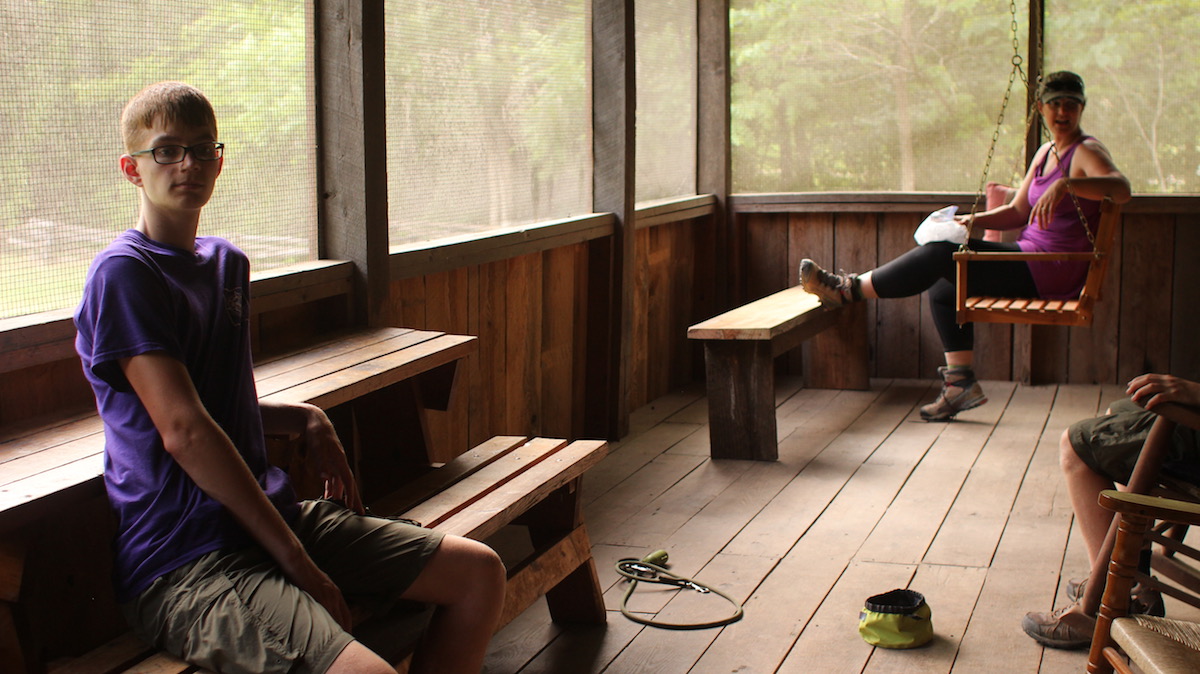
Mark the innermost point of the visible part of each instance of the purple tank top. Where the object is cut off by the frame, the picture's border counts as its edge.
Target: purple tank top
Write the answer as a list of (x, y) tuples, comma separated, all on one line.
[(1059, 280)]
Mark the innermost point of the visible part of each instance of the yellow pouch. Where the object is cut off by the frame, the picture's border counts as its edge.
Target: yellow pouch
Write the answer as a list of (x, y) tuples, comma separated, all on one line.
[(896, 619)]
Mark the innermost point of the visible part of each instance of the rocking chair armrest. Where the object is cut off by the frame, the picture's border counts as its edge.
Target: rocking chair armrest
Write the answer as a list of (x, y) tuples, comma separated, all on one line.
[(1155, 507), (976, 255)]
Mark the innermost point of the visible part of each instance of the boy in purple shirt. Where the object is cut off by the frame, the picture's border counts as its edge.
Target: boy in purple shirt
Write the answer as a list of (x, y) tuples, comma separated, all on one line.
[(216, 561)]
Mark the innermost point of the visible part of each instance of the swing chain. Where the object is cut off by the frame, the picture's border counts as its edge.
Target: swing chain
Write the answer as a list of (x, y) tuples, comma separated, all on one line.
[(1017, 62)]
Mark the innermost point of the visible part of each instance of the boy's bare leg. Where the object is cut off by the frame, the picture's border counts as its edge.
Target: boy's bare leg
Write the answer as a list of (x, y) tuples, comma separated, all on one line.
[(358, 659), (466, 580)]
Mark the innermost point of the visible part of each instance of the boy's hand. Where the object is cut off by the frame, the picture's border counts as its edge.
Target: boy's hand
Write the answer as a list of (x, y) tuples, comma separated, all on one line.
[(1150, 390), (308, 577), (328, 458)]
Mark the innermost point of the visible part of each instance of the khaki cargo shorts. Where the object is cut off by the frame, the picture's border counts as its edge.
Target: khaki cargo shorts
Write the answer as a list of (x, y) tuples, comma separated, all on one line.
[(1110, 444), (235, 611)]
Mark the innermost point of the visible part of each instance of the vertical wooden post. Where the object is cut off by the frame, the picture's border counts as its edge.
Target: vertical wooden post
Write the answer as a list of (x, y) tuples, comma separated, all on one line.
[(1033, 66), (713, 146), (613, 118), (352, 147)]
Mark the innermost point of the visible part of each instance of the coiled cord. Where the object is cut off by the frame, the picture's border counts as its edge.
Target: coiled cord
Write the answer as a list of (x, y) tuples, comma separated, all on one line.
[(649, 569)]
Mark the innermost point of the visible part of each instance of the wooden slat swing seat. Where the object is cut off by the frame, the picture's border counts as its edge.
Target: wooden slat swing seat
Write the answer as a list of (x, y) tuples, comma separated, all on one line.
[(1076, 312)]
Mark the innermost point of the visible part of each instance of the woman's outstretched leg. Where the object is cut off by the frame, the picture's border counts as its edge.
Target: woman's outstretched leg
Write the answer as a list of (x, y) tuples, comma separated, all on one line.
[(926, 268)]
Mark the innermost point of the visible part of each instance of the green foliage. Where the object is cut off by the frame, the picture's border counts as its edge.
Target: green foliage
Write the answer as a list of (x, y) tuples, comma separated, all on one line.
[(69, 66), (905, 94)]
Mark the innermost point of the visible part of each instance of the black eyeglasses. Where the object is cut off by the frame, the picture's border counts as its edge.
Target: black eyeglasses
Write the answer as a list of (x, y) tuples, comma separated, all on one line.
[(173, 154)]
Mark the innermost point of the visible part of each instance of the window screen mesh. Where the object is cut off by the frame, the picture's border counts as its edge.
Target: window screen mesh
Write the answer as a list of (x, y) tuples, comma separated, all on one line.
[(666, 92), (872, 95), (1141, 86), (66, 70), (489, 115)]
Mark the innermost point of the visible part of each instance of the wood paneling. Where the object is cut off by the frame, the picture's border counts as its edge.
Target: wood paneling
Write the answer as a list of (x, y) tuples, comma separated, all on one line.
[(1185, 323), (899, 320), (1145, 338)]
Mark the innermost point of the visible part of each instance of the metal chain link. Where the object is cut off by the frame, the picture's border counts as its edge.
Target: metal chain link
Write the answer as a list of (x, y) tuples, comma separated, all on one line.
[(1031, 116), (1017, 61)]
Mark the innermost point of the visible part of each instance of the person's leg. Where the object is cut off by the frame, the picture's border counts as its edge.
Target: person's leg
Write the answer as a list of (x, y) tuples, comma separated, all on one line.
[(356, 658), (466, 580), (377, 561), (960, 388), (1084, 486), (1094, 455)]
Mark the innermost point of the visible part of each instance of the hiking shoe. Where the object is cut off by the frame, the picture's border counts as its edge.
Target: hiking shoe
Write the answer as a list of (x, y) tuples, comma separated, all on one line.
[(1142, 602), (834, 290), (960, 391), (1063, 628)]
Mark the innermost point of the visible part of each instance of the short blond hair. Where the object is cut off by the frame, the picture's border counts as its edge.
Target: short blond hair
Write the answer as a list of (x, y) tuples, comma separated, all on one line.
[(168, 102)]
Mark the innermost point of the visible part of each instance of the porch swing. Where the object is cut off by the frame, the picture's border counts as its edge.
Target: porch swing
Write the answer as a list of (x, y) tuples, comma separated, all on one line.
[(1025, 310)]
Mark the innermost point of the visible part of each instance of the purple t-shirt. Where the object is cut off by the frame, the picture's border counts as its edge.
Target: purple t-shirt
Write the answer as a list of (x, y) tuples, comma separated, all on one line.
[(142, 296), (1059, 280)]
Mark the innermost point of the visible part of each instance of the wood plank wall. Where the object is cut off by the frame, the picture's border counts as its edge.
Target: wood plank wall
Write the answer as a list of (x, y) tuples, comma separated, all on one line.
[(1146, 321), (530, 313)]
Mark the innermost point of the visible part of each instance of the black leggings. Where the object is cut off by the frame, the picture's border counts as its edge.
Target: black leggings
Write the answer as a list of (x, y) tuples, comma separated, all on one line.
[(931, 267)]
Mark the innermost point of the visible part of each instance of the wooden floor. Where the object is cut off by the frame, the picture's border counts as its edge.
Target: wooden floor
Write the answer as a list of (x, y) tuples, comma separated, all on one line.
[(865, 498)]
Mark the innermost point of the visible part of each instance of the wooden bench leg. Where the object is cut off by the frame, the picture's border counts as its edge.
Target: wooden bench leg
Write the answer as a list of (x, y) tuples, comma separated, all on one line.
[(840, 357), (740, 378), (563, 568)]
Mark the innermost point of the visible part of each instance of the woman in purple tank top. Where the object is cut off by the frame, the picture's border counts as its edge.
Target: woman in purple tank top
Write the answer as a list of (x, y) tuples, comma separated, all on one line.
[(1044, 211)]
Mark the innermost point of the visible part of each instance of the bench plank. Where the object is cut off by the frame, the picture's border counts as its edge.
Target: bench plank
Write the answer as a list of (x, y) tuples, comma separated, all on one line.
[(309, 365), (520, 493), (762, 319), (358, 380), (472, 487), (118, 655), (442, 477)]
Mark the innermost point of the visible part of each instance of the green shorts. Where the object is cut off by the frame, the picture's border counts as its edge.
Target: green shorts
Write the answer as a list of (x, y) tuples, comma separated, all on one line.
[(233, 611), (1110, 444)]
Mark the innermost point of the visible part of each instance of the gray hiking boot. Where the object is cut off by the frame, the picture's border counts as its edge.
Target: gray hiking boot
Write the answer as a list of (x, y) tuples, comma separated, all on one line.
[(960, 391), (834, 290), (1066, 627)]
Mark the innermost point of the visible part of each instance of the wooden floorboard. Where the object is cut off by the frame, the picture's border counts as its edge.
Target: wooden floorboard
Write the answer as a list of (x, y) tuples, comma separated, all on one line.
[(865, 498)]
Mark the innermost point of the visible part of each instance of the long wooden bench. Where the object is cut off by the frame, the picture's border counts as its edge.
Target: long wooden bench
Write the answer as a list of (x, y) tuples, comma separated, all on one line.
[(505, 481), (51, 470), (740, 347), (45, 465)]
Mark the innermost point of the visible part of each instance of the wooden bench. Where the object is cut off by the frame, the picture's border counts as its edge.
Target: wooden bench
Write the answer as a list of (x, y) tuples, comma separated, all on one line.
[(740, 347), (52, 467), (507, 480), (45, 464)]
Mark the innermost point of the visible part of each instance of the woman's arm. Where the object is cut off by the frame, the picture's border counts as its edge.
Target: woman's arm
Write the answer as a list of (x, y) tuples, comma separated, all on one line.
[(1093, 176)]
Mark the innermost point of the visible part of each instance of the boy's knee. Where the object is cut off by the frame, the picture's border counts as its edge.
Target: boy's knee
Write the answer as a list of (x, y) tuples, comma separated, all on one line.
[(477, 561)]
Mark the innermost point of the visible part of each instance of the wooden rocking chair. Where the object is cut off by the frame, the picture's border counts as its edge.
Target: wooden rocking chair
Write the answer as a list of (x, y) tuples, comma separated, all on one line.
[(1145, 515), (1076, 312)]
